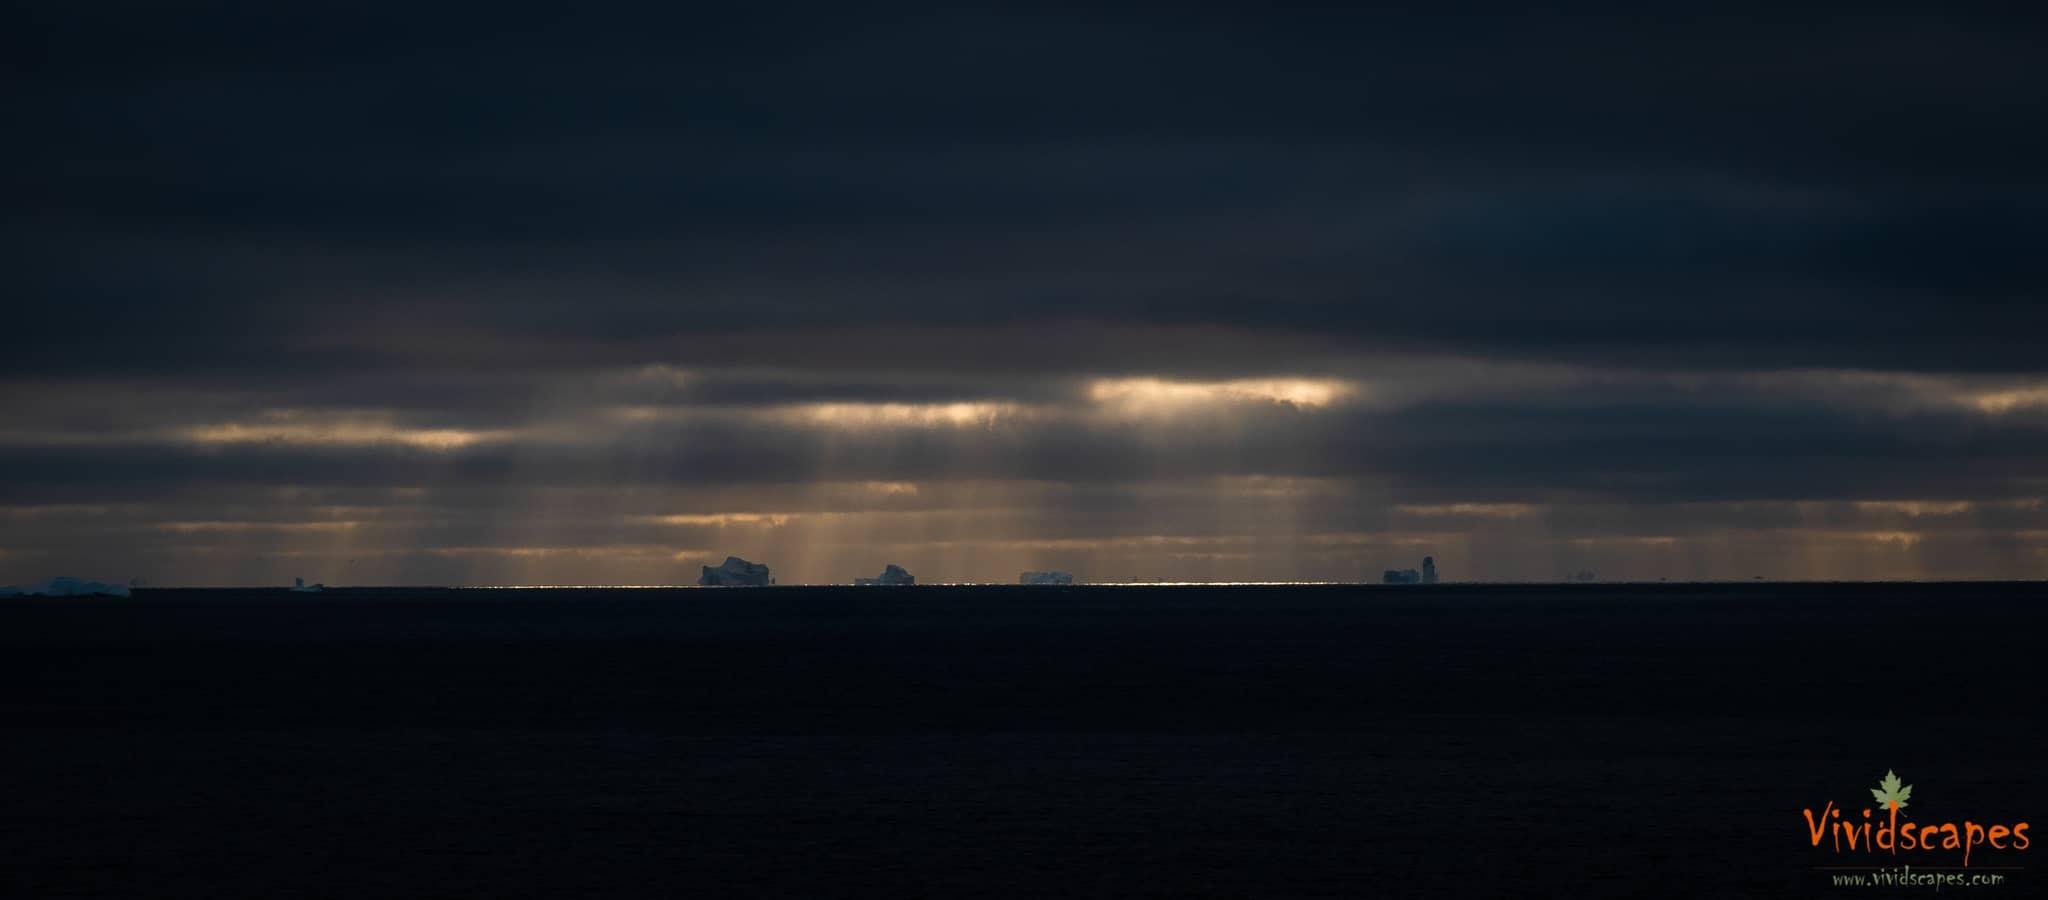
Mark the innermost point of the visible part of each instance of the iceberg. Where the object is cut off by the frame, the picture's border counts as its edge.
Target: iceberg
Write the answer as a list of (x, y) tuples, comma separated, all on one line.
[(892, 575), (736, 572), (64, 586), (1045, 578), (1410, 576)]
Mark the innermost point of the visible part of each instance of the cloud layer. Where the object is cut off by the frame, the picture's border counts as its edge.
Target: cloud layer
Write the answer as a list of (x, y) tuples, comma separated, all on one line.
[(376, 293)]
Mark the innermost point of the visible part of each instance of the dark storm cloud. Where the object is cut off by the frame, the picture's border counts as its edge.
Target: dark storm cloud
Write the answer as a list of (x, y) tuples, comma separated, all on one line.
[(1836, 188)]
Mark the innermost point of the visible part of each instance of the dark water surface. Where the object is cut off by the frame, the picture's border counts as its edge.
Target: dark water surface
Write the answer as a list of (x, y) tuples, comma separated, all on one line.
[(960, 742)]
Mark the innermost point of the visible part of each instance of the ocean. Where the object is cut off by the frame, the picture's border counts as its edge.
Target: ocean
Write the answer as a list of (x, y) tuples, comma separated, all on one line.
[(1300, 741)]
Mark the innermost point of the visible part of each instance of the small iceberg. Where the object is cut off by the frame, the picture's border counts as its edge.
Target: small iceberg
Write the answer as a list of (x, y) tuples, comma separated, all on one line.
[(892, 575), (300, 586), (64, 586), (736, 572), (1045, 578)]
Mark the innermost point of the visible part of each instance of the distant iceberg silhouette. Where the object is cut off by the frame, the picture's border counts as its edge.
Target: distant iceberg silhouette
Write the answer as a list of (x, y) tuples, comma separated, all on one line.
[(1045, 578), (892, 575), (1411, 576), (736, 572), (65, 586)]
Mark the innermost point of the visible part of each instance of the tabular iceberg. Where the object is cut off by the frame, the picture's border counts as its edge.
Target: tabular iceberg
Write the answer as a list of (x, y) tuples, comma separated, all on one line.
[(736, 572), (64, 586), (1045, 578)]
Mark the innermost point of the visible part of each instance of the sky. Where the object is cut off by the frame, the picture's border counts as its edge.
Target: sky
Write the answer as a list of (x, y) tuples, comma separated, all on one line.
[(377, 293)]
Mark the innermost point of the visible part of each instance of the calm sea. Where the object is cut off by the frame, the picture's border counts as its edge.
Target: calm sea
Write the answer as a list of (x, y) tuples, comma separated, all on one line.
[(1538, 741)]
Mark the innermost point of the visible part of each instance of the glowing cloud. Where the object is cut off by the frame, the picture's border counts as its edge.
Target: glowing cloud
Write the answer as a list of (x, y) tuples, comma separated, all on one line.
[(722, 520), (1475, 510), (891, 488), (1914, 507), (2005, 401), (902, 415), (1160, 395), (229, 526), (295, 427)]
